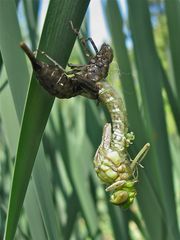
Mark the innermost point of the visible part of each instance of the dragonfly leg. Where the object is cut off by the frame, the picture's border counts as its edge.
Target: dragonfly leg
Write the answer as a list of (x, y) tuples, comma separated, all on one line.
[(92, 43), (139, 157), (52, 60), (84, 41)]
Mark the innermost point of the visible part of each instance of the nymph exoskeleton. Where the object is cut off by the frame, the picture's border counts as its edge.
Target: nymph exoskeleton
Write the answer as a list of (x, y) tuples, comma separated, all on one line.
[(56, 80), (98, 66), (112, 162)]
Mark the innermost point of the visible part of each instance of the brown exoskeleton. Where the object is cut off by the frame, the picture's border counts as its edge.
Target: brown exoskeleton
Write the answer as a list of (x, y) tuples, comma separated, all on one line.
[(55, 79)]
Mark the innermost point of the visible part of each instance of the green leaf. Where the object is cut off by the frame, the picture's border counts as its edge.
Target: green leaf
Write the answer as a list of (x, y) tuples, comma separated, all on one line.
[(11, 129), (10, 47), (1, 62), (150, 78), (35, 218), (173, 18), (172, 100), (78, 157), (31, 12)]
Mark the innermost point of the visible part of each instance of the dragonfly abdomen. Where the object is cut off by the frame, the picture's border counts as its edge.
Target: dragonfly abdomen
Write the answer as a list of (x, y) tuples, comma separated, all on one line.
[(114, 104)]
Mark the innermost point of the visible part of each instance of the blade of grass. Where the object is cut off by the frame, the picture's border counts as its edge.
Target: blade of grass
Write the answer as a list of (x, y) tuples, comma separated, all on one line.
[(150, 76), (94, 125), (8, 114), (10, 48), (1, 62), (11, 128), (173, 17), (172, 100), (80, 182), (31, 17), (5, 83), (37, 226), (78, 164), (41, 181), (52, 145), (72, 211), (133, 216), (119, 222)]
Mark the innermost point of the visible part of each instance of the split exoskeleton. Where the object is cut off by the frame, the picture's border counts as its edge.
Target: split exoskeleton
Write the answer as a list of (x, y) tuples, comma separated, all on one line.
[(112, 162)]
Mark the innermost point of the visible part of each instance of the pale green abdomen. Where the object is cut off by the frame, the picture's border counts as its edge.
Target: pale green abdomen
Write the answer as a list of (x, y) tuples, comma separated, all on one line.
[(116, 109)]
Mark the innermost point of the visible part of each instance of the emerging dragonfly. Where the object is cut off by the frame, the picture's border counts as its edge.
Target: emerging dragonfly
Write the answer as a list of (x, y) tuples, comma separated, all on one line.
[(112, 163)]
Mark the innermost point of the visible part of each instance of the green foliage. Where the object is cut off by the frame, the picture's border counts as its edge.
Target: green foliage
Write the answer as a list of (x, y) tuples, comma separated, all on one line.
[(64, 198)]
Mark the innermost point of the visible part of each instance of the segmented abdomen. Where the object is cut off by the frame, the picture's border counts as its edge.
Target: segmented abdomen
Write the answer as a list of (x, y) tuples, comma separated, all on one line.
[(115, 106)]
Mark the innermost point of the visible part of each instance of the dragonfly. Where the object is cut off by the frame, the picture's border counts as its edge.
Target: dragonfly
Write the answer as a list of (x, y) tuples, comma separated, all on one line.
[(112, 162)]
